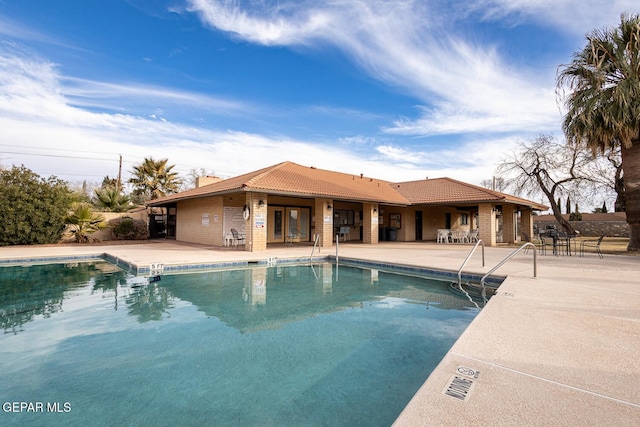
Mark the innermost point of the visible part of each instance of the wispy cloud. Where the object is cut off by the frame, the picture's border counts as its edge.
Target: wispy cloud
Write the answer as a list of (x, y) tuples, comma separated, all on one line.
[(40, 107), (465, 86), (577, 17), (109, 95)]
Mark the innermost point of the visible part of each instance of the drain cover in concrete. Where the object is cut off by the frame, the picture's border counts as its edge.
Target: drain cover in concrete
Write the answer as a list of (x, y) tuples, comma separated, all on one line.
[(459, 387)]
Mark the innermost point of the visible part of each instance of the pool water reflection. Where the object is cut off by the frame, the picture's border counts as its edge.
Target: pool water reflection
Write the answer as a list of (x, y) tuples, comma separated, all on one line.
[(280, 345)]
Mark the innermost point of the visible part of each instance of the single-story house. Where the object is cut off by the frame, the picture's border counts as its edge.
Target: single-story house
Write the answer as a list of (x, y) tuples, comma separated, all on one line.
[(288, 203)]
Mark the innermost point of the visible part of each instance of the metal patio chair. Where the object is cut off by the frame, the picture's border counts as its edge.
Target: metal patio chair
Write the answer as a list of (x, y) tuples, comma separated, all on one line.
[(592, 244)]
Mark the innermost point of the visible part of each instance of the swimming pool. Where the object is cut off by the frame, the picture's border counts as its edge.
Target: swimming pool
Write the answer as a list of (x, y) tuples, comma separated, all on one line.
[(90, 344)]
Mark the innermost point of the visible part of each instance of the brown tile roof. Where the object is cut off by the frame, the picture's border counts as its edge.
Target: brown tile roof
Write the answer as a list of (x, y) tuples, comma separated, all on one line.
[(292, 179), (449, 191), (289, 178)]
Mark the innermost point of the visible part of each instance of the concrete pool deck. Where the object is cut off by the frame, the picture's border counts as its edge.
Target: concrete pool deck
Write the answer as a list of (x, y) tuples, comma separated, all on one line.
[(559, 349)]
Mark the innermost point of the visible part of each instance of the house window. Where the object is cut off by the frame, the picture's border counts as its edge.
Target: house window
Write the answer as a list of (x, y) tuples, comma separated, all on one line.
[(343, 217), (464, 219)]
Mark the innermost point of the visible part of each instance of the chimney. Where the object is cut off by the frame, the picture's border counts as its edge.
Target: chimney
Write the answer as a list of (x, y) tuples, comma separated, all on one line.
[(201, 181)]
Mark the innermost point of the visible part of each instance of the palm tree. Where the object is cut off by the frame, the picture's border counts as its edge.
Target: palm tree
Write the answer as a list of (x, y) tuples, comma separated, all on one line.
[(153, 179), (83, 221), (603, 106), (111, 200)]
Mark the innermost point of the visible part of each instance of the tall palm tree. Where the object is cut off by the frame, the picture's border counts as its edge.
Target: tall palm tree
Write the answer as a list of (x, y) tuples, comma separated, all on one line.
[(603, 104), (154, 179)]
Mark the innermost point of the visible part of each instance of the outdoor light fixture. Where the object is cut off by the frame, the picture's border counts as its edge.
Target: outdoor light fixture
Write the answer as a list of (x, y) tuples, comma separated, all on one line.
[(261, 203), (375, 210), (329, 206)]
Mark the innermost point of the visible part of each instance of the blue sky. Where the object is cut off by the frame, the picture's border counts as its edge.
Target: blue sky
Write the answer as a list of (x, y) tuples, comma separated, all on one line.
[(395, 89)]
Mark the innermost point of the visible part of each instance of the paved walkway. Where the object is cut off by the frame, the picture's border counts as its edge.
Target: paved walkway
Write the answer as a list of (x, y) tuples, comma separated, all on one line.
[(559, 349)]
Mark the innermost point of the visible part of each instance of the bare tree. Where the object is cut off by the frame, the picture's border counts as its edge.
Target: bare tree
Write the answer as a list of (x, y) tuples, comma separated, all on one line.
[(497, 183), (549, 167), (607, 173), (190, 181)]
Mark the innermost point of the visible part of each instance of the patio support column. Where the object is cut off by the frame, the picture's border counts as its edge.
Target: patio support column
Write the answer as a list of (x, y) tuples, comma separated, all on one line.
[(526, 222), (256, 227), (508, 224), (487, 224), (370, 223), (324, 221)]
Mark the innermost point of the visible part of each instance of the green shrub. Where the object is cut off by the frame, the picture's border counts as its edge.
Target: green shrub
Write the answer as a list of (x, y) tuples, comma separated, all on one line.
[(575, 216), (33, 208), (127, 228), (83, 222)]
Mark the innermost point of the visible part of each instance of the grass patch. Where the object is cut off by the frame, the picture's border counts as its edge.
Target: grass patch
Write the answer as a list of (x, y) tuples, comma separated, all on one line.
[(609, 245)]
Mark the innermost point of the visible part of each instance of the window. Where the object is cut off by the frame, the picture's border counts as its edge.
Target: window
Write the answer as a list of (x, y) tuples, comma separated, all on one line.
[(343, 217), (464, 219)]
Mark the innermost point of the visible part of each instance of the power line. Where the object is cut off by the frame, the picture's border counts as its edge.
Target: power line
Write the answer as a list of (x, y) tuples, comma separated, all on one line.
[(54, 155), (80, 157), (181, 165), (57, 149)]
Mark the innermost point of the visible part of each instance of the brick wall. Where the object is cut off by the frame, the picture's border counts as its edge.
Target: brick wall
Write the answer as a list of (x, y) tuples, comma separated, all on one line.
[(370, 223), (324, 229), (593, 228), (613, 224), (256, 232), (487, 224), (190, 227)]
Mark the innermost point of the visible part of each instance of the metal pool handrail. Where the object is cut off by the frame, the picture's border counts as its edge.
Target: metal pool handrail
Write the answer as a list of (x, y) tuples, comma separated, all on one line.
[(535, 262), (467, 259), (315, 242), (337, 240)]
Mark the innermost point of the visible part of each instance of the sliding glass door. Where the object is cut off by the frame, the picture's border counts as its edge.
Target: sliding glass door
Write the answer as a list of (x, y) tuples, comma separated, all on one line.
[(290, 224)]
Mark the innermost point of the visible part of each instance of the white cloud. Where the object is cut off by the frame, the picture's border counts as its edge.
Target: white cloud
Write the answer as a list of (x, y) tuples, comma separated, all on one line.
[(578, 17), (44, 130), (468, 87)]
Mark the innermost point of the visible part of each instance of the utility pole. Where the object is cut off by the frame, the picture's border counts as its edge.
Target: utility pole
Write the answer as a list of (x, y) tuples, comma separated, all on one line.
[(119, 184)]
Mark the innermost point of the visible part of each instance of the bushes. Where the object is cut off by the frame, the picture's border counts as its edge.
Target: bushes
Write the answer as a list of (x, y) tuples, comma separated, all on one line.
[(127, 228), (33, 208)]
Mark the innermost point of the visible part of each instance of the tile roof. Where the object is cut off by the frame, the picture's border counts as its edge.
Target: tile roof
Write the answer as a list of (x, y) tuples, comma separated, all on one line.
[(289, 178), (450, 191)]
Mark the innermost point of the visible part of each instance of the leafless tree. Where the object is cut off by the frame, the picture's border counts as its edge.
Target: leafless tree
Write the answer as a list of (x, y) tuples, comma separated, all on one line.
[(497, 183), (552, 168)]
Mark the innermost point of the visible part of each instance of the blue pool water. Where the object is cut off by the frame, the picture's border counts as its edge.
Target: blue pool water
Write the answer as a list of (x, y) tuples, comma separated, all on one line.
[(90, 344)]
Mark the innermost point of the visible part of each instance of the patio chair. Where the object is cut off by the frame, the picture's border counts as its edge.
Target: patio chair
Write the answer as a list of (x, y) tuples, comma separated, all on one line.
[(592, 244), (563, 243), (344, 233), (548, 241), (473, 235), (237, 238), (536, 242), (443, 235)]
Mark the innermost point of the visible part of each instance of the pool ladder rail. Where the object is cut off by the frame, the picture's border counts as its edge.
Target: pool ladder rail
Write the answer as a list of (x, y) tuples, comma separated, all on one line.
[(480, 241), (511, 255), (500, 264), (315, 243)]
